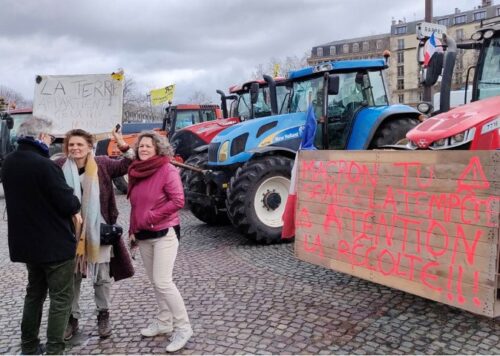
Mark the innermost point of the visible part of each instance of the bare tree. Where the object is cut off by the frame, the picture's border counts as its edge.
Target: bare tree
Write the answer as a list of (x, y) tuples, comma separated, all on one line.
[(136, 105), (13, 97), (285, 65), (199, 97)]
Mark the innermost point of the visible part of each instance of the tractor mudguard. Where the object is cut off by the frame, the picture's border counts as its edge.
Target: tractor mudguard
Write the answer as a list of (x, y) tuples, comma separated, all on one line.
[(369, 119)]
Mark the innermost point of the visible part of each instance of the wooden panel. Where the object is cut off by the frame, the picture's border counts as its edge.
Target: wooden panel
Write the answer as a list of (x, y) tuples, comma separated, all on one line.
[(423, 222)]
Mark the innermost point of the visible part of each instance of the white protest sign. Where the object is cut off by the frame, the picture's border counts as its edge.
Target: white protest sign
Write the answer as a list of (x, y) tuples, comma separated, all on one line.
[(92, 102)]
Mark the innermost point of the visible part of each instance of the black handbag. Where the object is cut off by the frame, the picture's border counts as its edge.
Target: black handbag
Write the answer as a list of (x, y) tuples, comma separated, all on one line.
[(110, 233)]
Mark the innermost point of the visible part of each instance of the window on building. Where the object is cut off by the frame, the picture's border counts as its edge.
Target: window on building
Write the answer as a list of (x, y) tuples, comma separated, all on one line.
[(379, 44), (401, 98), (401, 84), (319, 51), (366, 46), (401, 57), (401, 43), (460, 19), (498, 11), (444, 22), (355, 47), (333, 50), (479, 15), (420, 96), (345, 48), (401, 30), (458, 78), (401, 71), (459, 34)]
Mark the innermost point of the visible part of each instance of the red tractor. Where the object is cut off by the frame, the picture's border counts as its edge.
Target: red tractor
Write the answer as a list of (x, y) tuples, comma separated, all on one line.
[(474, 126)]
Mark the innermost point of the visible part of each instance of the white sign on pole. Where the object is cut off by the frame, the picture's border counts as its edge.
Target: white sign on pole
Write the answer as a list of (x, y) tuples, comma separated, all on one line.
[(425, 29), (92, 102)]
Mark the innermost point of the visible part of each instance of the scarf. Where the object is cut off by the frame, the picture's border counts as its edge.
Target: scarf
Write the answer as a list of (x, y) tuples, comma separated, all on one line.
[(89, 238), (139, 170)]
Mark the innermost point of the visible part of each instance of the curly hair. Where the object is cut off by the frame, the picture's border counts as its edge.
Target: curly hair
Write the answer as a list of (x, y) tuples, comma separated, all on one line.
[(162, 146), (87, 136)]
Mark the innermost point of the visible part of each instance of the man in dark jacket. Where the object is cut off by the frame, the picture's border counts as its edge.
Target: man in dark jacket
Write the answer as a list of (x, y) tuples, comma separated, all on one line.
[(40, 207)]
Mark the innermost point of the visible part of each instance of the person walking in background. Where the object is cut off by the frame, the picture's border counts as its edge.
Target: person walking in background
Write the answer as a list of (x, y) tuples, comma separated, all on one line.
[(91, 177), (156, 195), (40, 206)]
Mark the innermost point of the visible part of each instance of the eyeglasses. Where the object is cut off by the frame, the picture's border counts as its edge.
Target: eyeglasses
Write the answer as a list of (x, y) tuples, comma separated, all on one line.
[(52, 138)]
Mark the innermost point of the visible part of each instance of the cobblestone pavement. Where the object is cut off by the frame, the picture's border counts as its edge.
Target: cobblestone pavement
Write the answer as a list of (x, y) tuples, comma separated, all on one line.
[(248, 299)]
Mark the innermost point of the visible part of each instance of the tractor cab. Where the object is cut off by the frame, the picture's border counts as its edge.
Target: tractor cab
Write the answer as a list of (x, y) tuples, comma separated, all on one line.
[(259, 98), (342, 98)]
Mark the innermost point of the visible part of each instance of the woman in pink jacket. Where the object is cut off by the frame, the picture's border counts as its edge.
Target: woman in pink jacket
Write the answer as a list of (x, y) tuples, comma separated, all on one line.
[(156, 195)]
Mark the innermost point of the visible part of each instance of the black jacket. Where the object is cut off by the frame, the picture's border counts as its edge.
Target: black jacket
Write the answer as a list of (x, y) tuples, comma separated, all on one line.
[(39, 207)]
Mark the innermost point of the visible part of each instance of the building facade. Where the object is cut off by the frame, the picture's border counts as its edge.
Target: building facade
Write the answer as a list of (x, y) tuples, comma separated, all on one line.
[(403, 72)]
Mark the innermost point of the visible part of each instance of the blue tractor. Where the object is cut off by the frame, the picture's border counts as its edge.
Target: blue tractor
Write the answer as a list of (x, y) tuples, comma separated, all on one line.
[(249, 164)]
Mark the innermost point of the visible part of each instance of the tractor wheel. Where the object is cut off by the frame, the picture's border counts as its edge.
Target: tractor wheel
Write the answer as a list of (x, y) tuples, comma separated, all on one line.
[(393, 132), (193, 182), (121, 183), (256, 197)]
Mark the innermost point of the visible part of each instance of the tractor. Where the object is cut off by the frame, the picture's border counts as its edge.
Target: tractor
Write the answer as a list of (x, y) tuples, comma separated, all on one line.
[(249, 164), (473, 126), (251, 100)]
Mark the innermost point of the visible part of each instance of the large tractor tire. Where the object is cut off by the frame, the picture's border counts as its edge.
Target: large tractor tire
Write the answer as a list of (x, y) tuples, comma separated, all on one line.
[(393, 132), (257, 195), (121, 183), (193, 182)]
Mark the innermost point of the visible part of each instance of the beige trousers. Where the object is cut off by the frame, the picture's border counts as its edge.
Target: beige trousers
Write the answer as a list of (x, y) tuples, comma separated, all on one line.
[(158, 256)]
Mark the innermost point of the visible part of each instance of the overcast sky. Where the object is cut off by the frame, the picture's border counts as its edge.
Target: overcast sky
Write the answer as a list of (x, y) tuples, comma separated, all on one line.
[(196, 44)]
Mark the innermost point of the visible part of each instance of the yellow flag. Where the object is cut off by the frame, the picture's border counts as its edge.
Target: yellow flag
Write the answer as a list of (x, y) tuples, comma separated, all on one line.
[(118, 75), (276, 70), (162, 95)]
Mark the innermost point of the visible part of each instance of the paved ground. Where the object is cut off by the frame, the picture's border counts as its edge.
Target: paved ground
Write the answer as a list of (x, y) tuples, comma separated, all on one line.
[(248, 299)]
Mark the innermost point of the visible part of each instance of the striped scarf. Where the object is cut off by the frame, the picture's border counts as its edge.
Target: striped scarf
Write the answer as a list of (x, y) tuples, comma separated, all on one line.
[(89, 237)]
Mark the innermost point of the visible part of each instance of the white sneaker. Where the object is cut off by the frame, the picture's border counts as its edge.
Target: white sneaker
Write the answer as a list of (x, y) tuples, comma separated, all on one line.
[(155, 328), (179, 340)]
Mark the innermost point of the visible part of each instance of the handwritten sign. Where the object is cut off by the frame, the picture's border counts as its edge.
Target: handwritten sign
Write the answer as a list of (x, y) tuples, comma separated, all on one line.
[(91, 102), (423, 222)]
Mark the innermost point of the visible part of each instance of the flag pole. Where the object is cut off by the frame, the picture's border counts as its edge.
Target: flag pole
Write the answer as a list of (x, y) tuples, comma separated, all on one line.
[(427, 93)]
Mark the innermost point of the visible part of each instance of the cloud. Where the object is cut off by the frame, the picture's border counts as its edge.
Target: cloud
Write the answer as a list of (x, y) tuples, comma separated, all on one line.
[(198, 44)]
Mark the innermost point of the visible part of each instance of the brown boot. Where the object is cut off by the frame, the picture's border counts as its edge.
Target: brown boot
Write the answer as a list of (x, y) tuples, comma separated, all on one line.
[(71, 328), (103, 324)]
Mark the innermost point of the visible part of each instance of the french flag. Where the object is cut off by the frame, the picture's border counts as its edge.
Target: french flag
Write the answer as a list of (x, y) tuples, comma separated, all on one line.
[(432, 46), (307, 144)]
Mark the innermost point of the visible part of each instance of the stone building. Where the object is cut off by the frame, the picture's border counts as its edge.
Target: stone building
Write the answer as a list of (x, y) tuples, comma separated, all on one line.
[(403, 73)]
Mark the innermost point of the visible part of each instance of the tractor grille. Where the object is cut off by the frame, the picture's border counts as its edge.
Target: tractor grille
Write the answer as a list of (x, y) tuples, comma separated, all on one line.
[(213, 149)]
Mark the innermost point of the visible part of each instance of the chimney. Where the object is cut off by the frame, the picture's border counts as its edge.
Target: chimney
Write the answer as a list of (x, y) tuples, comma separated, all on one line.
[(486, 3), (393, 21), (457, 10)]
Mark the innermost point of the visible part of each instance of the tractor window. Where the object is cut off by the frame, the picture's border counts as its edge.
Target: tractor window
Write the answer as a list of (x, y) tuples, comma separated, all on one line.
[(489, 81), (306, 92), (262, 107), (207, 115), (376, 93), (186, 118), (354, 90), (282, 97)]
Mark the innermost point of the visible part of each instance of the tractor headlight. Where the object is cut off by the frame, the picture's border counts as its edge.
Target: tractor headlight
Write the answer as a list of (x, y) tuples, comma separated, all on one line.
[(223, 152), (458, 137), (488, 34), (440, 142)]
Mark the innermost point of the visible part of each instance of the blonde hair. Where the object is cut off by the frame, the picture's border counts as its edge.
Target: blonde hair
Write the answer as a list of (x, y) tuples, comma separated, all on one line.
[(162, 146)]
